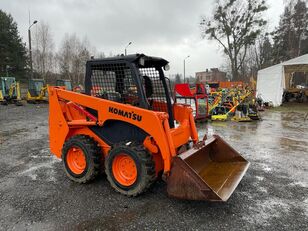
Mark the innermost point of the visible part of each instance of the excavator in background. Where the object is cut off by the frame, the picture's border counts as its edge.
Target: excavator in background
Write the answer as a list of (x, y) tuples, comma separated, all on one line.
[(126, 124), (10, 91), (67, 83), (37, 92)]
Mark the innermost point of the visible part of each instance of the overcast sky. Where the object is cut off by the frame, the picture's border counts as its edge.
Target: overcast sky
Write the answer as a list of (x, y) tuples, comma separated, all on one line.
[(166, 28)]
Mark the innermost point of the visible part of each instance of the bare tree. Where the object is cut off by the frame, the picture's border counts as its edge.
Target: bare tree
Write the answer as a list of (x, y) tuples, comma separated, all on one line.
[(100, 55), (43, 55), (235, 25), (259, 55), (72, 58)]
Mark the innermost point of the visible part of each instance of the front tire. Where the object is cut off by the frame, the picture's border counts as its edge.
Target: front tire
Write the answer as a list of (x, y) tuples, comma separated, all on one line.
[(81, 158), (130, 168)]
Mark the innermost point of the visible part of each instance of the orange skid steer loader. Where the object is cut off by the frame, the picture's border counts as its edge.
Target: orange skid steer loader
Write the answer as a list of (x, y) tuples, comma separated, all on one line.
[(127, 125)]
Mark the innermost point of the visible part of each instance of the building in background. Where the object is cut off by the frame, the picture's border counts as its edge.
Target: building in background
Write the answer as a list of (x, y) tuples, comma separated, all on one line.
[(212, 75)]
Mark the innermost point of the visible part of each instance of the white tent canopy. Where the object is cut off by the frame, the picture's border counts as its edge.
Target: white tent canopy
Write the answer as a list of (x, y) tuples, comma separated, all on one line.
[(271, 81)]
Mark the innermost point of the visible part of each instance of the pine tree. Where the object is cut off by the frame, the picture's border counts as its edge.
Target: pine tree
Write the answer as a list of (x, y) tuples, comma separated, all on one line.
[(178, 78), (282, 37), (290, 38), (265, 53), (13, 56), (300, 22)]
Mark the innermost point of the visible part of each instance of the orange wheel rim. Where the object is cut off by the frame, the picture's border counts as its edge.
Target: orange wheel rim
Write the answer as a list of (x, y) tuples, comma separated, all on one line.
[(124, 169), (76, 160)]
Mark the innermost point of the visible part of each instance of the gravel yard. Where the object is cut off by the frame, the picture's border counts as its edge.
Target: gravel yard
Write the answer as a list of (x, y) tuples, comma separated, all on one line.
[(35, 193)]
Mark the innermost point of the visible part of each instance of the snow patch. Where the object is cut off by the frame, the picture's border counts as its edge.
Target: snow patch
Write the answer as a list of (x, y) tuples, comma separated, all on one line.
[(42, 168), (266, 168), (266, 210), (305, 206), (299, 183), (260, 178), (262, 189)]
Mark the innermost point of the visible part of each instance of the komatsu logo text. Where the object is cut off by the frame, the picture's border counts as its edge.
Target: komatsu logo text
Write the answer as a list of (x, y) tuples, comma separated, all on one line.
[(126, 114)]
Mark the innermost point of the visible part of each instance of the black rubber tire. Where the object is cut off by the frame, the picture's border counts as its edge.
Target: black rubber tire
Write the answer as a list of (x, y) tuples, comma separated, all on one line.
[(18, 103), (93, 154), (145, 168)]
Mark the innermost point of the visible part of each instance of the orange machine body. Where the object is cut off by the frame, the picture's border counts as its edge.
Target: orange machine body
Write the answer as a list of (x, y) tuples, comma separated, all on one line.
[(70, 116), (127, 123)]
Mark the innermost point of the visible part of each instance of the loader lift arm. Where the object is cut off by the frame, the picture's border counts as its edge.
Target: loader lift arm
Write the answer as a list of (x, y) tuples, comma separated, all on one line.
[(62, 102)]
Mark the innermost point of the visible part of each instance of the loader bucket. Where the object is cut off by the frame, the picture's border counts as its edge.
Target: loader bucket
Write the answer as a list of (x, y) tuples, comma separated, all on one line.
[(210, 173)]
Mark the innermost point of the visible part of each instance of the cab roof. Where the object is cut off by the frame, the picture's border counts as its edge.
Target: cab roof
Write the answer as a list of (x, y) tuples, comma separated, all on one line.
[(133, 58)]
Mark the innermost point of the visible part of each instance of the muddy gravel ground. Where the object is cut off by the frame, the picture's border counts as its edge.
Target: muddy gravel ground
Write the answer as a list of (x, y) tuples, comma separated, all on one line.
[(35, 194)]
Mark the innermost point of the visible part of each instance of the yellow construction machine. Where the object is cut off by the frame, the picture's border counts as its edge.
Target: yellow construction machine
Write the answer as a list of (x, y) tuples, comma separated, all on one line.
[(10, 91), (37, 91)]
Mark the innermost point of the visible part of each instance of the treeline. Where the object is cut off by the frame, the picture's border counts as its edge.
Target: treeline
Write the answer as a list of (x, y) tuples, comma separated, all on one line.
[(241, 30), (49, 63), (67, 62), (287, 41), (13, 53), (238, 26), (291, 36)]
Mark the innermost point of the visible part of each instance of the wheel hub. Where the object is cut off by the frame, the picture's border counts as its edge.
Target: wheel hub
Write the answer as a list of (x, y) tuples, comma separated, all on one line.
[(76, 160), (124, 169)]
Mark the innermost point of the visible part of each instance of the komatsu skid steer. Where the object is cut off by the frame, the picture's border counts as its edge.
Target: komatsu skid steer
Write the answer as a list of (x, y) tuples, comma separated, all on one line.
[(127, 125)]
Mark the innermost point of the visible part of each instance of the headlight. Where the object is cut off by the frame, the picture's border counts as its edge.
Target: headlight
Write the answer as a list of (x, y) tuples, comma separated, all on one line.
[(167, 67), (141, 61)]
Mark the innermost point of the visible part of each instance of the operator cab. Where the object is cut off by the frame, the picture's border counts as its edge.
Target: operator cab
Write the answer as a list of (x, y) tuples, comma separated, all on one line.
[(137, 79), (6, 84), (35, 86)]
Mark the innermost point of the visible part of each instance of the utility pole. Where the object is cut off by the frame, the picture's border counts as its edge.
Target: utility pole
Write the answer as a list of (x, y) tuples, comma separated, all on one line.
[(30, 49), (126, 47), (184, 67)]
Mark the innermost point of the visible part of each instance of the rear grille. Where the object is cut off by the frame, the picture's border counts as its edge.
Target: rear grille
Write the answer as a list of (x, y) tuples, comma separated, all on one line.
[(114, 82)]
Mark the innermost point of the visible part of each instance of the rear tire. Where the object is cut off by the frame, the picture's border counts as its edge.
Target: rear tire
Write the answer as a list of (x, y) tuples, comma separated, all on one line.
[(18, 103), (130, 168), (81, 158)]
